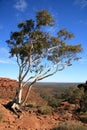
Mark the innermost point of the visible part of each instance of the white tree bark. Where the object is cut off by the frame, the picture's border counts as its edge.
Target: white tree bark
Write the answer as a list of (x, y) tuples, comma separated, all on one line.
[(20, 96)]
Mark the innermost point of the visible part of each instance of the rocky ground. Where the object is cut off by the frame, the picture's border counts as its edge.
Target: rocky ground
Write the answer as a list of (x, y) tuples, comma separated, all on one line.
[(30, 119)]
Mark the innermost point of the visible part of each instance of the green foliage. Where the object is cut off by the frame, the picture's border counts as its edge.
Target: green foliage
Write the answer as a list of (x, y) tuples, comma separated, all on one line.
[(44, 110), (73, 95), (43, 18), (44, 96), (26, 26), (53, 102), (31, 41), (77, 96), (70, 126), (83, 102), (64, 33)]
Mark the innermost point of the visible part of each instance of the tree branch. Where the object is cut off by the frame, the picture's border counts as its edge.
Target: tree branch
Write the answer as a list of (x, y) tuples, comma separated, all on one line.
[(45, 76)]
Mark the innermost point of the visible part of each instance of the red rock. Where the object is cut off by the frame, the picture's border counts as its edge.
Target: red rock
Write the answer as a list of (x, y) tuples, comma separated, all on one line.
[(6, 82)]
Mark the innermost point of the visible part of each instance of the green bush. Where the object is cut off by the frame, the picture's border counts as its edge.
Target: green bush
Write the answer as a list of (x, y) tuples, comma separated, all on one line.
[(44, 96), (70, 126), (73, 95), (44, 110), (53, 103)]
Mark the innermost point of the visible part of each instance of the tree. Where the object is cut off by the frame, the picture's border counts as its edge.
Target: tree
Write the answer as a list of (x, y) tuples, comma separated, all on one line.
[(39, 54), (83, 99)]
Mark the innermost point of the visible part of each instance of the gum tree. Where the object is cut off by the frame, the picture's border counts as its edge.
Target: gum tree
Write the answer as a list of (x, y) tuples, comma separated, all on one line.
[(38, 53)]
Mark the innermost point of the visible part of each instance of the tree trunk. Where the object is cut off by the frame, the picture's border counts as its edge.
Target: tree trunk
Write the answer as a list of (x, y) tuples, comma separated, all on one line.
[(28, 92), (15, 104), (18, 96)]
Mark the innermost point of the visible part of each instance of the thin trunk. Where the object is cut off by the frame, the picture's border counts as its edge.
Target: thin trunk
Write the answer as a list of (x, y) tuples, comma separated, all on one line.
[(28, 92), (18, 96)]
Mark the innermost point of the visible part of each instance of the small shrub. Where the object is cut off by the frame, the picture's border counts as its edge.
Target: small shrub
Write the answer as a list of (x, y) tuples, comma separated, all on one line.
[(53, 103), (0, 116), (30, 105), (70, 126), (0, 96), (83, 117), (44, 96), (44, 110)]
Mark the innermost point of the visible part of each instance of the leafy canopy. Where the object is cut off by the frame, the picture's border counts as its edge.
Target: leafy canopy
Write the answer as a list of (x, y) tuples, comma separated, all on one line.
[(38, 52)]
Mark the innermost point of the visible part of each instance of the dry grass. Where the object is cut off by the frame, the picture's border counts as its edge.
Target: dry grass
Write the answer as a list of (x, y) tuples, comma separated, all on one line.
[(1, 116), (45, 110), (70, 126), (83, 117)]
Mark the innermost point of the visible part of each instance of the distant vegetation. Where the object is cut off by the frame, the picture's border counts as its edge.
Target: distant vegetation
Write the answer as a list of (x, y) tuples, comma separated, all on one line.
[(70, 126), (55, 93)]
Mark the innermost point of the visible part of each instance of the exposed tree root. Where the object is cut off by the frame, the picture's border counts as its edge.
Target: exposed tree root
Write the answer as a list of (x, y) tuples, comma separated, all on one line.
[(14, 107)]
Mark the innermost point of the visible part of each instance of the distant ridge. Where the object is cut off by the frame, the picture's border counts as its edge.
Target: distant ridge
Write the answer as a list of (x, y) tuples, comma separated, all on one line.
[(6, 82)]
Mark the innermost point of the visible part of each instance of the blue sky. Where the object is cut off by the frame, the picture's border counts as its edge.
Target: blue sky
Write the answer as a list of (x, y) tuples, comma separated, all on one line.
[(69, 14)]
